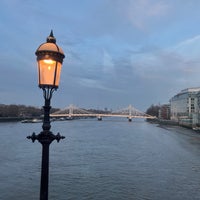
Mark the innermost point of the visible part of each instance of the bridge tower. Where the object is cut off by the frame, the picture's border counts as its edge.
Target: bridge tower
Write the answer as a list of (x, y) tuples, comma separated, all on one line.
[(99, 117), (71, 108), (130, 113)]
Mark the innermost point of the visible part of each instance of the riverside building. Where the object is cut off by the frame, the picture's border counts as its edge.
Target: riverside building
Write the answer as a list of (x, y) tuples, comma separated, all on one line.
[(184, 106), (164, 112)]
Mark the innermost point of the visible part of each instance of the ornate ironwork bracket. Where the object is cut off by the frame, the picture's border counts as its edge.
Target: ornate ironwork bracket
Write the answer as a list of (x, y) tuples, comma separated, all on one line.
[(45, 137)]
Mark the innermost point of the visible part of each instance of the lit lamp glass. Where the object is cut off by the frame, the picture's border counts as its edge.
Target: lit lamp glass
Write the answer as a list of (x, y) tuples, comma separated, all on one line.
[(49, 73)]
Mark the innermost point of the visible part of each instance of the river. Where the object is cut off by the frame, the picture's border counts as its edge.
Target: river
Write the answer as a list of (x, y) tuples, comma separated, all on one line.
[(111, 159)]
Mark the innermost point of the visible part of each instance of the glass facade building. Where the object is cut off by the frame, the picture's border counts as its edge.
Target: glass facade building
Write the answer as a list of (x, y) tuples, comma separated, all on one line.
[(184, 106)]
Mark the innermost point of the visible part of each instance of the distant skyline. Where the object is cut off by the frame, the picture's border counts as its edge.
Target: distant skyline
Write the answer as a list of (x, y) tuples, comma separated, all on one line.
[(118, 52)]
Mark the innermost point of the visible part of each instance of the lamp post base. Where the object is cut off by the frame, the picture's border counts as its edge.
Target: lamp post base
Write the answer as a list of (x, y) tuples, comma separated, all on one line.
[(45, 138)]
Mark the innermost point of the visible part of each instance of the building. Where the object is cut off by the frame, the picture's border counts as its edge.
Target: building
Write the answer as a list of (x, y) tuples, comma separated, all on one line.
[(198, 112), (164, 112), (184, 106)]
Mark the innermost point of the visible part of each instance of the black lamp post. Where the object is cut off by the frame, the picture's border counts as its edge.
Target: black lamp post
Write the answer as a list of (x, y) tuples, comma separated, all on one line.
[(49, 58)]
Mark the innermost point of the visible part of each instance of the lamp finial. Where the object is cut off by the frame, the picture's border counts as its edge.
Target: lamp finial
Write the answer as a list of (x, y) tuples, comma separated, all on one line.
[(51, 38)]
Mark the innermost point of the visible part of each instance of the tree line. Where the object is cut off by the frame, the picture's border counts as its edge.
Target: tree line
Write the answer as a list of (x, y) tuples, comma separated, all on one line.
[(21, 111), (153, 110)]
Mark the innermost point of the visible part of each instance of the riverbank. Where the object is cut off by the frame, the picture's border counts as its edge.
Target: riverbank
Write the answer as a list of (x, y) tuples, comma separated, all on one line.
[(173, 123), (184, 134), (10, 119), (164, 122), (14, 119)]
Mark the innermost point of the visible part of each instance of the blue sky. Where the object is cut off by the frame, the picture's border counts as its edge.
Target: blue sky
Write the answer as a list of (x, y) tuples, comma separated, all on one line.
[(118, 52)]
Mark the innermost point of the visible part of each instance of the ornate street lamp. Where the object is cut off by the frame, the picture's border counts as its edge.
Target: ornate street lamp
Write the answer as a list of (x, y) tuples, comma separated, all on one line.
[(49, 57)]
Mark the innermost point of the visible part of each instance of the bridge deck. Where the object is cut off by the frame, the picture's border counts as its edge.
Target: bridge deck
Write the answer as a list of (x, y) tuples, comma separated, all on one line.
[(102, 115)]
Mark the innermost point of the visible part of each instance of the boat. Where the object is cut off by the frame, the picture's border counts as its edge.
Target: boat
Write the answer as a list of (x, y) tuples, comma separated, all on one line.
[(31, 121)]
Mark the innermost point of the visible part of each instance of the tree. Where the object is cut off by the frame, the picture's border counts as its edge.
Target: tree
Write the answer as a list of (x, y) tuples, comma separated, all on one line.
[(153, 110)]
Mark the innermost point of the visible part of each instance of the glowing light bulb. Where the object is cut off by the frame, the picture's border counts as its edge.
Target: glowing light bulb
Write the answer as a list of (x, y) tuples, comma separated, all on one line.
[(49, 61)]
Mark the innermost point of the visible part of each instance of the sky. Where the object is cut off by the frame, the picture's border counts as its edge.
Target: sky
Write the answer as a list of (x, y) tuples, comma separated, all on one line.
[(118, 52)]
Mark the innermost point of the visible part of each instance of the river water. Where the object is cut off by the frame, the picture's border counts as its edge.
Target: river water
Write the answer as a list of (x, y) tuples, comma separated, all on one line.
[(102, 160)]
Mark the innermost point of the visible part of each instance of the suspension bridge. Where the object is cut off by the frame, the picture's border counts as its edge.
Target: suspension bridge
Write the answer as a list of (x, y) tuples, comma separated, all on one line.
[(72, 111)]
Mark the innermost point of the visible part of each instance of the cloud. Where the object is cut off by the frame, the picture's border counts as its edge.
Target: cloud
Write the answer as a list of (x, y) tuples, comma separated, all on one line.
[(108, 65), (189, 48), (141, 13)]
